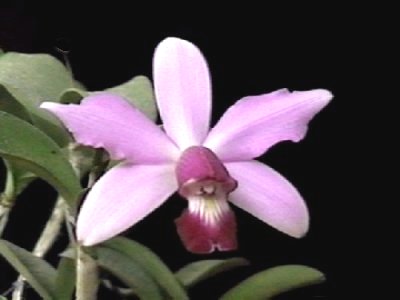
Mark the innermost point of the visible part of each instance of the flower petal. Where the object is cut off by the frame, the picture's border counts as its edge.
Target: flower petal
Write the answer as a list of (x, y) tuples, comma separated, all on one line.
[(183, 91), (254, 124), (267, 195), (108, 121), (121, 198)]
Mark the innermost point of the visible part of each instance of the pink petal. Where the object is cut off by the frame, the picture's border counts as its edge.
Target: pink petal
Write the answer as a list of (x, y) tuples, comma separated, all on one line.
[(267, 195), (183, 91), (200, 237), (254, 124), (108, 121), (121, 198)]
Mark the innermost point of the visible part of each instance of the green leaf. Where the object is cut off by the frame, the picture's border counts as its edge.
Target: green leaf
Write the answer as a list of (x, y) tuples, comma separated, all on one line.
[(17, 180), (198, 271), (274, 281), (65, 280), (1, 297), (9, 104), (82, 158), (29, 148), (149, 262), (73, 95), (32, 79), (139, 92), (79, 85), (129, 272), (37, 272), (68, 253), (22, 178)]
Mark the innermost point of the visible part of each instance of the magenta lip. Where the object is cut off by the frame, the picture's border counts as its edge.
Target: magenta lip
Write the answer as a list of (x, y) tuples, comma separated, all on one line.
[(202, 176), (199, 167), (202, 238)]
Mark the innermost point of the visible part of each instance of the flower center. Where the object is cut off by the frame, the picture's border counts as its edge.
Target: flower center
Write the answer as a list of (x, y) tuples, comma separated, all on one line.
[(200, 173), (205, 183), (208, 205)]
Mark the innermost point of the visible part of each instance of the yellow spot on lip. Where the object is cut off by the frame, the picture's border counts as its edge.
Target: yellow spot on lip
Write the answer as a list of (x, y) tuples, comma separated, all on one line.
[(209, 208)]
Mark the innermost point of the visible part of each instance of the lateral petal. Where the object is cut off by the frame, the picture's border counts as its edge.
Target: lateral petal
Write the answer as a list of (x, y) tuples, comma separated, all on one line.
[(108, 121), (254, 124), (122, 197), (268, 196)]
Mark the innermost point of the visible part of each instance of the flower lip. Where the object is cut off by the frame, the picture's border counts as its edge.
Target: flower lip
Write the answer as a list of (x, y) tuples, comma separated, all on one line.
[(200, 173), (202, 237), (208, 223)]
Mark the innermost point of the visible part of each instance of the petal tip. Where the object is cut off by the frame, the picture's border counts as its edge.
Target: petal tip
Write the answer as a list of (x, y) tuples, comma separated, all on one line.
[(324, 95), (51, 106), (299, 231), (169, 44), (171, 40)]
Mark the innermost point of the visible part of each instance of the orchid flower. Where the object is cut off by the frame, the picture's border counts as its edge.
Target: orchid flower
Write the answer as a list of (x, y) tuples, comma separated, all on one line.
[(211, 168)]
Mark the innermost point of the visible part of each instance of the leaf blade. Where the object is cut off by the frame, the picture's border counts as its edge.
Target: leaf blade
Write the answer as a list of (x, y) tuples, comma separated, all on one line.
[(139, 92), (274, 281), (29, 148), (37, 272), (32, 79), (65, 280), (17, 180), (72, 95), (151, 263), (128, 272), (198, 271), (9, 104)]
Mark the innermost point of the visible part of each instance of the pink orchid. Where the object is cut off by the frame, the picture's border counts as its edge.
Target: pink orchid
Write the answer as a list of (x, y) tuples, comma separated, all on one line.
[(207, 167)]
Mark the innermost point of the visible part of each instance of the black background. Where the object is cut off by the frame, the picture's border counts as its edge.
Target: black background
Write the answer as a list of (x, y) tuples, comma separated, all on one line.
[(249, 52)]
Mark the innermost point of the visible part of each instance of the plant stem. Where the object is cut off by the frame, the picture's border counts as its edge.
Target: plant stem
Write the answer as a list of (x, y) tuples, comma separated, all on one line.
[(45, 241), (87, 277), (7, 198), (51, 230), (124, 292), (4, 211)]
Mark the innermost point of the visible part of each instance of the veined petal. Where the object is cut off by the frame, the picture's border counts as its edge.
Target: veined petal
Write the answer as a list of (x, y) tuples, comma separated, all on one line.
[(183, 91), (108, 121), (254, 124), (267, 195), (122, 197)]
